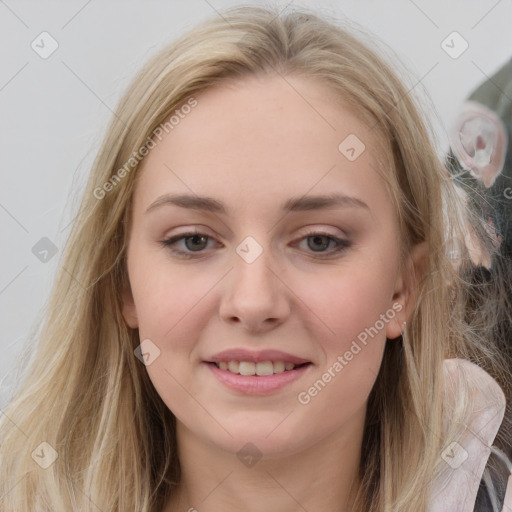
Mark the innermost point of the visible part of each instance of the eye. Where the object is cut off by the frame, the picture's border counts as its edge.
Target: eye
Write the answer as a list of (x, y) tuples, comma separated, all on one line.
[(318, 242), (194, 241)]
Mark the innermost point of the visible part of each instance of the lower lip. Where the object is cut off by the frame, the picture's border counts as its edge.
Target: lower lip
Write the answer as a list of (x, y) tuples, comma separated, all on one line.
[(256, 384)]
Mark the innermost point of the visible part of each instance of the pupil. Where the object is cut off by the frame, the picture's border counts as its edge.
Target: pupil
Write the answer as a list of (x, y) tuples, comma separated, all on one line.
[(320, 237), (195, 238)]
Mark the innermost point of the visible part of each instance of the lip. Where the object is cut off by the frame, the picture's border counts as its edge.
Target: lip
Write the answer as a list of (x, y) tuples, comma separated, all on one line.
[(255, 384), (242, 354)]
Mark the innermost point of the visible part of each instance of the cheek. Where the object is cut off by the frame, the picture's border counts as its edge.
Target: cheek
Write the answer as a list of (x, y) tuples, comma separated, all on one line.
[(168, 298), (349, 302), (355, 310)]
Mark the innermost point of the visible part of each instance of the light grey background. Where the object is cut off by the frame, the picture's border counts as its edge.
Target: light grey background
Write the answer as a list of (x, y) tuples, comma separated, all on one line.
[(54, 111)]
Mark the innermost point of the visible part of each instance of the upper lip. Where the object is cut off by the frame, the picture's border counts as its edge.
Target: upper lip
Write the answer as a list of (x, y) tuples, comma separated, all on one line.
[(242, 354)]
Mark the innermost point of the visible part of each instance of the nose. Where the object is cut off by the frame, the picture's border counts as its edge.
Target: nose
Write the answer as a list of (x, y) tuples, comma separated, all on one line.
[(255, 295)]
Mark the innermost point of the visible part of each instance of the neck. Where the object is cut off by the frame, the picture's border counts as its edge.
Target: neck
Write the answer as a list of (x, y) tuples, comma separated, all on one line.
[(324, 477)]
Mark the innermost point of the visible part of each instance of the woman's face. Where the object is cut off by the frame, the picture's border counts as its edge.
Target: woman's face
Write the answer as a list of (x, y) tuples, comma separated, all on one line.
[(276, 276)]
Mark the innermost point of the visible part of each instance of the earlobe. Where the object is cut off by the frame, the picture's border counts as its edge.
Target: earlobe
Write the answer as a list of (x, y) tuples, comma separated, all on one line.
[(129, 309), (407, 289)]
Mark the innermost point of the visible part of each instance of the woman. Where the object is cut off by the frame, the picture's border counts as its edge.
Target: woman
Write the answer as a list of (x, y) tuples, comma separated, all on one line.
[(256, 295)]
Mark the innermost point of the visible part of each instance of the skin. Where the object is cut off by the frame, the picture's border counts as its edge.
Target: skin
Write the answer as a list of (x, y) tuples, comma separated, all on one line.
[(252, 144)]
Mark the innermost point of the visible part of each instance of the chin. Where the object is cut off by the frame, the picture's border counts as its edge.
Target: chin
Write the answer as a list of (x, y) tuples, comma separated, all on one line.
[(269, 438)]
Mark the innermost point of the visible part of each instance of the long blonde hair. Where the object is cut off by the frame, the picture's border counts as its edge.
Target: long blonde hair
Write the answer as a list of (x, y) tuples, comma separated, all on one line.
[(88, 396)]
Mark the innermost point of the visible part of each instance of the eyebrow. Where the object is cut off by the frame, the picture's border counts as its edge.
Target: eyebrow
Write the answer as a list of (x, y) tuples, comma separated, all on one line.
[(294, 204)]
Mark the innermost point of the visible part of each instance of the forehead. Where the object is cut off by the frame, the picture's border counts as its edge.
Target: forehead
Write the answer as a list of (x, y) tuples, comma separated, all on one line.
[(263, 137)]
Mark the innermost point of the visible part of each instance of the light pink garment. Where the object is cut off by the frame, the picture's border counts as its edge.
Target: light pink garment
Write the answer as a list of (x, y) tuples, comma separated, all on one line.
[(455, 490)]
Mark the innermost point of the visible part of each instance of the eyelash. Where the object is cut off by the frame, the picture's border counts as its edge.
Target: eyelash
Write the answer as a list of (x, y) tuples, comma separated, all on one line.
[(341, 245)]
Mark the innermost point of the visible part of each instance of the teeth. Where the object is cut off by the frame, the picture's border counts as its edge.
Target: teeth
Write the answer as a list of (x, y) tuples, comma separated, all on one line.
[(246, 368), (278, 367), (262, 368)]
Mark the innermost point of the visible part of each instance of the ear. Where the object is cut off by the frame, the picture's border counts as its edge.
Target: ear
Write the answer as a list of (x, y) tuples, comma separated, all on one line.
[(407, 289), (479, 141), (129, 309)]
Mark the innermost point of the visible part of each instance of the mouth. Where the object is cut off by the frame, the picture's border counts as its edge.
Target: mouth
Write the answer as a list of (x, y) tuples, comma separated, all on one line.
[(261, 368), (257, 378)]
